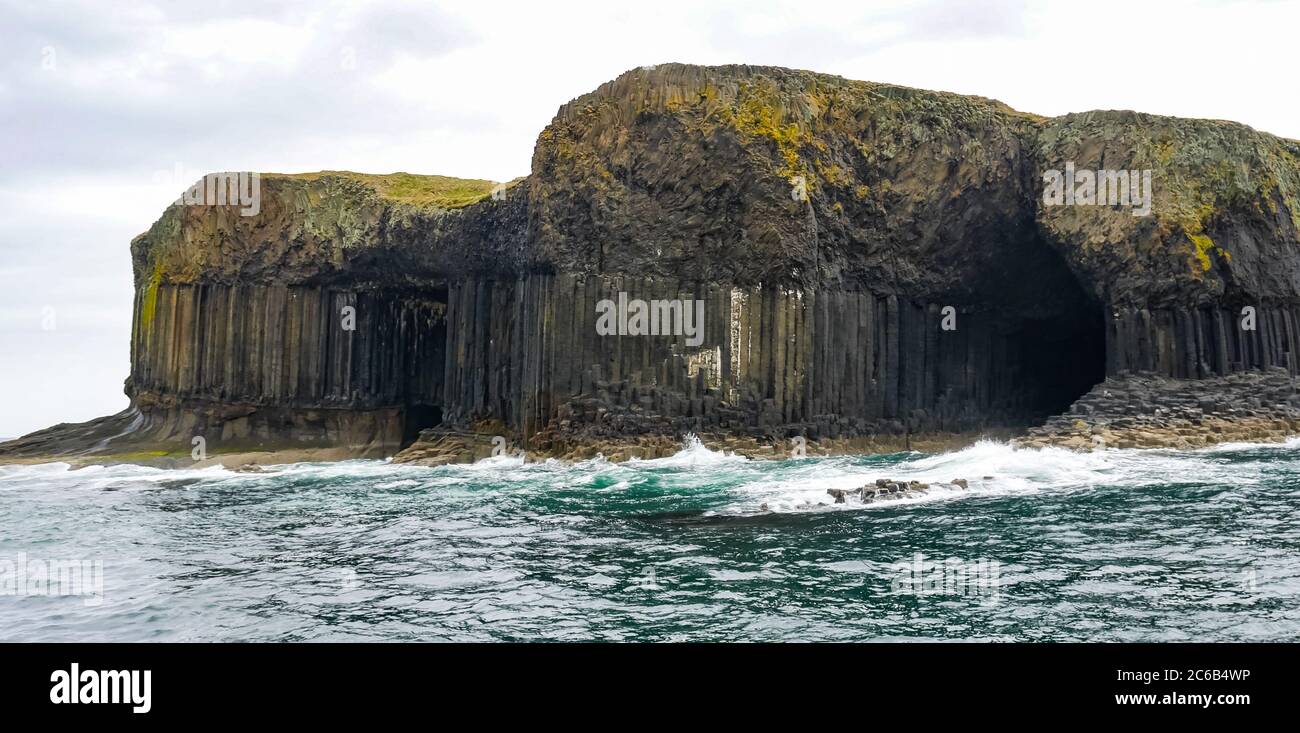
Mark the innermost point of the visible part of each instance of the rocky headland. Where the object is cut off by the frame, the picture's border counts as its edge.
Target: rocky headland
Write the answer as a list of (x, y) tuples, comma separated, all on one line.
[(876, 268)]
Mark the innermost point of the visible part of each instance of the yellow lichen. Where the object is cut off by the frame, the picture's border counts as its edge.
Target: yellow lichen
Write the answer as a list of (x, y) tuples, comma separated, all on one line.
[(757, 114), (149, 305), (1193, 225), (833, 174), (1203, 246)]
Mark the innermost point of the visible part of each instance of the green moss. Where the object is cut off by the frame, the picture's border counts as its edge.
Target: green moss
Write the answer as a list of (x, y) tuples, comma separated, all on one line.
[(443, 192), (140, 455), (149, 306)]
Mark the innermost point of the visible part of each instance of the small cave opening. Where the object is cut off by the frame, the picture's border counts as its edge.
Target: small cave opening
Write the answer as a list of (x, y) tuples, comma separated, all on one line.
[(419, 417), (422, 337)]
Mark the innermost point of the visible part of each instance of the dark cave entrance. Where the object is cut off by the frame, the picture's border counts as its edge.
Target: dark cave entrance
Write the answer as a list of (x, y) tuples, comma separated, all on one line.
[(1056, 333), (417, 418), (1060, 359), (422, 336)]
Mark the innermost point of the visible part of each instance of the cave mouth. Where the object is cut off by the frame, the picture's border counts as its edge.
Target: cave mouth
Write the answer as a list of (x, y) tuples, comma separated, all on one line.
[(1056, 332), (1060, 358), (421, 339), (419, 417)]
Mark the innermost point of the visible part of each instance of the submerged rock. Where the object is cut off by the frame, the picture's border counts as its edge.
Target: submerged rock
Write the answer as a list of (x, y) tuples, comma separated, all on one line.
[(887, 489)]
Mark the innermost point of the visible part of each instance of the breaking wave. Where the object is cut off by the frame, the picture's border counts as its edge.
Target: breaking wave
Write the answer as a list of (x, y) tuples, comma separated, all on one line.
[(1112, 544)]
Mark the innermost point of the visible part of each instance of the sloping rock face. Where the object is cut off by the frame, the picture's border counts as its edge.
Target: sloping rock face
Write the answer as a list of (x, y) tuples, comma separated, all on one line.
[(1222, 236), (1224, 218), (1149, 411), (683, 169), (858, 259)]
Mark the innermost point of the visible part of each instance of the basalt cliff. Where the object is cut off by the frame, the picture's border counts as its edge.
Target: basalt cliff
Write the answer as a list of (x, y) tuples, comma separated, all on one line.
[(876, 265)]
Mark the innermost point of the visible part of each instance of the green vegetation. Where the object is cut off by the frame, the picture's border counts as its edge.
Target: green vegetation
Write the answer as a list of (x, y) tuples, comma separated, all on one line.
[(443, 192), (141, 455), (149, 306)]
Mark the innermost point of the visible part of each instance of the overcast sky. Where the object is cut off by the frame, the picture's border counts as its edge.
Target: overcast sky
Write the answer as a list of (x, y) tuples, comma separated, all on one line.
[(109, 109)]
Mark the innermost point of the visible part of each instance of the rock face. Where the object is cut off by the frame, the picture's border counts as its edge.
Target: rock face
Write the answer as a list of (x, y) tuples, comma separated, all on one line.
[(320, 322), (1222, 236), (863, 259), (1150, 411)]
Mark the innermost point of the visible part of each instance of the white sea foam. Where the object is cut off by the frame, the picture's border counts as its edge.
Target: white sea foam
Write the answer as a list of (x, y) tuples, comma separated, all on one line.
[(1289, 444), (792, 485), (694, 454), (495, 463), (90, 474), (991, 468)]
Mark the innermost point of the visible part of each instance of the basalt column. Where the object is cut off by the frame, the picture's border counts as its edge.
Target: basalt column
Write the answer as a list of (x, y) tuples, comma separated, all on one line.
[(248, 366), (1201, 342), (528, 352)]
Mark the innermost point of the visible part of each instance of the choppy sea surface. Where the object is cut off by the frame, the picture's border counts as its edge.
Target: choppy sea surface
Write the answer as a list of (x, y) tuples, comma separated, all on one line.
[(1115, 545)]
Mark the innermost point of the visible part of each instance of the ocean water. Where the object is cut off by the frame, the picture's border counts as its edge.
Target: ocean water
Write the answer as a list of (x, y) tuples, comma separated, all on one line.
[(1113, 545)]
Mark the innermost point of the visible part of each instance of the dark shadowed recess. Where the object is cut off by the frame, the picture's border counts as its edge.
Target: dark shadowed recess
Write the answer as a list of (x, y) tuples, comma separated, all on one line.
[(1054, 326)]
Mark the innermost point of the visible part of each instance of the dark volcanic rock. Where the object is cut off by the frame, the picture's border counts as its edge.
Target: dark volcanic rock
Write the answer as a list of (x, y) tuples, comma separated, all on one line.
[(870, 260), (1224, 219), (888, 490), (909, 191), (1153, 411)]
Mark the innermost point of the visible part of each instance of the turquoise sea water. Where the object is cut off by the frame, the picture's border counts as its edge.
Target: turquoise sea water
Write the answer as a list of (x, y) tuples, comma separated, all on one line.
[(1114, 545)]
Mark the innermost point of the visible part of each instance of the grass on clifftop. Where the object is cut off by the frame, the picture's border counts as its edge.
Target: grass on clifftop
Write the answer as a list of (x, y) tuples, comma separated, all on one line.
[(441, 191)]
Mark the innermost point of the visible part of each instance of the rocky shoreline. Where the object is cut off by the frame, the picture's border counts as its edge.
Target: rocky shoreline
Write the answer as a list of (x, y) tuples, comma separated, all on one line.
[(1144, 411), (441, 446), (1150, 411), (1127, 411)]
